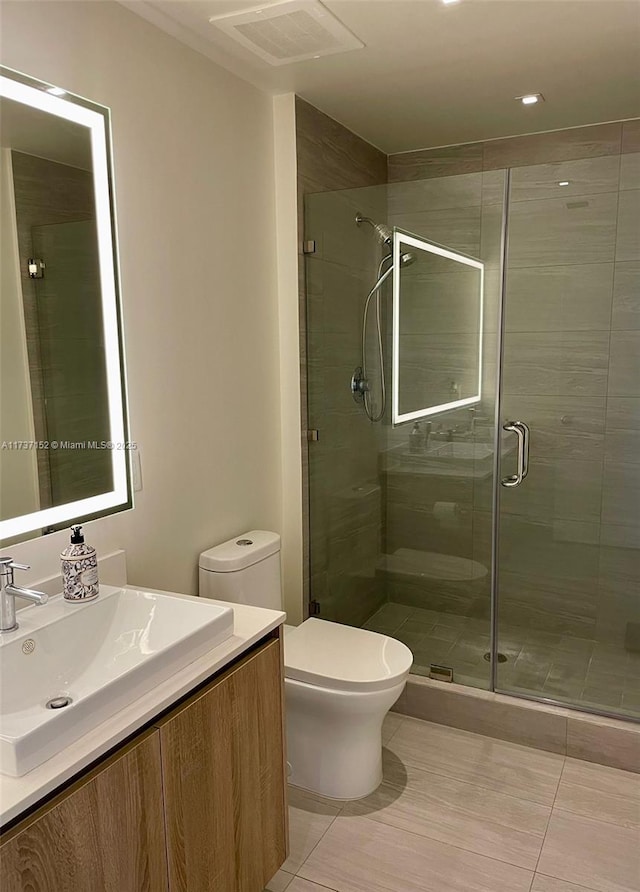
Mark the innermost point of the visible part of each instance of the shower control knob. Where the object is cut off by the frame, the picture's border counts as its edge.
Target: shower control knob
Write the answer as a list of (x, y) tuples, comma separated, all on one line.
[(359, 384)]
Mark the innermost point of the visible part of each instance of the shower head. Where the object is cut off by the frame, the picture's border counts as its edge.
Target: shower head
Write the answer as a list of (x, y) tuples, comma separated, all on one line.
[(383, 232), (385, 237)]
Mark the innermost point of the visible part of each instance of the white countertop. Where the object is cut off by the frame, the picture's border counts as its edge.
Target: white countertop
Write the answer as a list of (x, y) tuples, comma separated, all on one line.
[(17, 794)]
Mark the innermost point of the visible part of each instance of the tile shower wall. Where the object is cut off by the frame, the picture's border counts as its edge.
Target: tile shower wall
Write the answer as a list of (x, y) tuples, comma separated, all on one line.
[(346, 505), (570, 570), (438, 544), (55, 219), (570, 538)]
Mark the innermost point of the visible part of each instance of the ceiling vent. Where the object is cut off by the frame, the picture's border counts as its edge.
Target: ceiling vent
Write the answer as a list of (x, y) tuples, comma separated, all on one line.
[(288, 32)]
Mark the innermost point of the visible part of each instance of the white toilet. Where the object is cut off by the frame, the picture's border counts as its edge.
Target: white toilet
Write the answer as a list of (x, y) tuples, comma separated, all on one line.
[(340, 682)]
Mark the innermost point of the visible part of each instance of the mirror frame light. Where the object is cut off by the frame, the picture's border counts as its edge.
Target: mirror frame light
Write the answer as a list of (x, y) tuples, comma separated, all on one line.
[(401, 240), (96, 118)]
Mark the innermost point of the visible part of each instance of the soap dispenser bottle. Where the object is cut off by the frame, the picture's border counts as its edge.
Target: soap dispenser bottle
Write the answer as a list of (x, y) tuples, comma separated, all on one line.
[(416, 440), (79, 568)]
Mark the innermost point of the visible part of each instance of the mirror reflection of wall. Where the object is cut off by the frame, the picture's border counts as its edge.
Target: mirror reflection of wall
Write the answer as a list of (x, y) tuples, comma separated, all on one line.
[(52, 352), (439, 332), (438, 306)]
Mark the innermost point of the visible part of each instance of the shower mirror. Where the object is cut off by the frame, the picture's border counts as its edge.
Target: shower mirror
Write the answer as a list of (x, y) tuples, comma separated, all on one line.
[(64, 454), (437, 328)]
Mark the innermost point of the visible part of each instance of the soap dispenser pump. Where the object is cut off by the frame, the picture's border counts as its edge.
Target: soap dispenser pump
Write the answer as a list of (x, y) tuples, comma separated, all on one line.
[(79, 568)]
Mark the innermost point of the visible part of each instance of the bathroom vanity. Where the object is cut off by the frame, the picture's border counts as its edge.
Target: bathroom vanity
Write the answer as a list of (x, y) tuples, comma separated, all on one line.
[(192, 797)]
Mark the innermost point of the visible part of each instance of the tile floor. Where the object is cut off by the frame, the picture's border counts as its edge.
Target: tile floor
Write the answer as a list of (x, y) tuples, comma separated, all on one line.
[(458, 812), (560, 667)]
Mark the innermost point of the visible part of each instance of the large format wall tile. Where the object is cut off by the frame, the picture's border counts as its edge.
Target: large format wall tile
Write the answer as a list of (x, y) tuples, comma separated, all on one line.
[(620, 535), (563, 428), (456, 227), (335, 296), (560, 489), (621, 494), (330, 220), (572, 363), (631, 136), (332, 155), (534, 149), (558, 145), (558, 231), (584, 177), (491, 233), (623, 413), (561, 298), (443, 162), (623, 446), (444, 302), (624, 368), (626, 296), (435, 194), (619, 572), (628, 238), (630, 171)]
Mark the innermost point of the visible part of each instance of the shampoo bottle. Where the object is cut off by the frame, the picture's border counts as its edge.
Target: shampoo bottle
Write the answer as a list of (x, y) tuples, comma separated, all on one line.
[(79, 568)]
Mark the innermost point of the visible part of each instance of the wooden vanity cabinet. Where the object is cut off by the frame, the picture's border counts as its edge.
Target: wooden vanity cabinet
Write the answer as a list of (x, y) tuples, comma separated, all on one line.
[(224, 783), (103, 834), (197, 803)]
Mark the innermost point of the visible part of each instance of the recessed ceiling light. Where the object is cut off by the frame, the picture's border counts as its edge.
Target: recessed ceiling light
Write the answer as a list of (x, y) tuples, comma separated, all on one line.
[(56, 91), (530, 98), (449, 2), (563, 183)]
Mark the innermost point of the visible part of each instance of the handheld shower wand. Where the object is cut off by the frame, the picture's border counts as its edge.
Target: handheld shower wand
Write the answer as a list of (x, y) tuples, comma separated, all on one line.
[(359, 383)]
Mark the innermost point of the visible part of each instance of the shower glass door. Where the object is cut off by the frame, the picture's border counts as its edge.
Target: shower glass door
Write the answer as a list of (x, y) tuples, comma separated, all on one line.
[(568, 573), (400, 517)]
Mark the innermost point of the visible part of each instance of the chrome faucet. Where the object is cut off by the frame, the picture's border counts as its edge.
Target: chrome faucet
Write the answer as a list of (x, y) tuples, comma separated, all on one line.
[(9, 591)]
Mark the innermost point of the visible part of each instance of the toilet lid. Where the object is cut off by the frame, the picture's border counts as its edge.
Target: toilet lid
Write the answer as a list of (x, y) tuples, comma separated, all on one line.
[(331, 655)]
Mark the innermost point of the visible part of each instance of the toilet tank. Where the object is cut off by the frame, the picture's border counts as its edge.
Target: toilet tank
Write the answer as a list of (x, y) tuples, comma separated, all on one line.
[(244, 570)]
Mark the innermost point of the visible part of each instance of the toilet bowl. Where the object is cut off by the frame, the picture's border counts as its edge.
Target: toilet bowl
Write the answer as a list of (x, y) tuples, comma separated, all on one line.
[(340, 681)]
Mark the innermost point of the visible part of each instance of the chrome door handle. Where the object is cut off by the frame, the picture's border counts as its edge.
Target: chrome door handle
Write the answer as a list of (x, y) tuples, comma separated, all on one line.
[(523, 434), (525, 448)]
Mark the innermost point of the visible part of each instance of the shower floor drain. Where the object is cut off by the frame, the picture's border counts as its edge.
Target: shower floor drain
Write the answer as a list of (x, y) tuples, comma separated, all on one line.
[(501, 658), (58, 702)]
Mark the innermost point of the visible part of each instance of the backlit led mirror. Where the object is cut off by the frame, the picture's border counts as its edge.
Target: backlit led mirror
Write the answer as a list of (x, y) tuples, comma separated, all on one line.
[(437, 328), (64, 454)]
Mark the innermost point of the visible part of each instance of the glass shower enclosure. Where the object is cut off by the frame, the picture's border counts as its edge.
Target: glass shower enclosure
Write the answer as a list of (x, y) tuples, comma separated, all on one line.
[(490, 519)]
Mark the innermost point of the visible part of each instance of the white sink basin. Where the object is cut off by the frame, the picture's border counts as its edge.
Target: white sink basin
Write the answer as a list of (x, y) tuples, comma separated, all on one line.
[(103, 655), (463, 451)]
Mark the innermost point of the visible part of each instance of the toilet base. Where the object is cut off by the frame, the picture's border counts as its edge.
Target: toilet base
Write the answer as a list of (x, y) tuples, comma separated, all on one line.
[(334, 738)]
